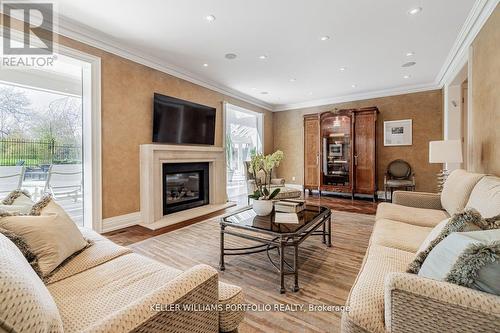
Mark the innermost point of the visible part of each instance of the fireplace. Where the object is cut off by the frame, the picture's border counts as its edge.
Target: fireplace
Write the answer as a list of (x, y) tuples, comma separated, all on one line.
[(185, 186)]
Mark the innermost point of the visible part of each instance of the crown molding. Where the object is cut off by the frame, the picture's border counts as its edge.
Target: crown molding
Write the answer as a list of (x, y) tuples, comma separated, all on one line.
[(455, 60), (358, 97), (97, 39), (458, 54)]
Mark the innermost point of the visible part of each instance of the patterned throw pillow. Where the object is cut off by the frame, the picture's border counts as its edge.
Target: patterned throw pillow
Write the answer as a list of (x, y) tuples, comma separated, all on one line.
[(17, 201), (468, 220), (469, 259)]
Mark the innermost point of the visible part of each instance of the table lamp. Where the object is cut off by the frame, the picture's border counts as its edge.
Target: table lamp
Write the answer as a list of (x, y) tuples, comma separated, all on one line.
[(445, 151)]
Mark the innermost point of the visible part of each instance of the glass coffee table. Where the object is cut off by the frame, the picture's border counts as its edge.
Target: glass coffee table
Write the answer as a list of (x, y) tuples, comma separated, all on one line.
[(244, 223)]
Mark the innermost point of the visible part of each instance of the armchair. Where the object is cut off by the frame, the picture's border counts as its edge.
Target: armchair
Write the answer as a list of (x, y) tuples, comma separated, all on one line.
[(398, 175)]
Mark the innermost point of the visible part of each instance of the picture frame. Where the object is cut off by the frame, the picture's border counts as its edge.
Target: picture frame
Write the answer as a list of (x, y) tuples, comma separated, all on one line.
[(398, 132)]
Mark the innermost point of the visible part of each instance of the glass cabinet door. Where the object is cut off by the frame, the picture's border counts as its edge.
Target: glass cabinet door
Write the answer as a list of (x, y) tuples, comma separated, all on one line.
[(336, 150)]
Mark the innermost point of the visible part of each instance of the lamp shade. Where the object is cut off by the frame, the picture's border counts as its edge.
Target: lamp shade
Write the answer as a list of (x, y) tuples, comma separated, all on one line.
[(447, 151)]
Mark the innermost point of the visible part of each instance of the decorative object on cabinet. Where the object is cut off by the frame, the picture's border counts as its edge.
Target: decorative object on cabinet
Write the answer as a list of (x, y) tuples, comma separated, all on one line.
[(398, 133), (398, 175), (339, 148), (445, 151)]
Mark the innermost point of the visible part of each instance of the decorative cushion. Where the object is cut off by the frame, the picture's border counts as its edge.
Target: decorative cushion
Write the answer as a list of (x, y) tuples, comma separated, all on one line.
[(399, 235), (230, 295), (25, 303), (52, 238), (457, 190), (417, 216), (470, 259), (466, 221), (485, 197), (17, 201), (24, 248)]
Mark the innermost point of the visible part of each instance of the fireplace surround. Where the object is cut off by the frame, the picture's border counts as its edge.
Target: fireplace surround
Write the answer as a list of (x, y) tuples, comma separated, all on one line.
[(152, 159)]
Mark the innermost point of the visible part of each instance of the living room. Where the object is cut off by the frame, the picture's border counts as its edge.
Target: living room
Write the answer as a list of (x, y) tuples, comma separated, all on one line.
[(265, 166)]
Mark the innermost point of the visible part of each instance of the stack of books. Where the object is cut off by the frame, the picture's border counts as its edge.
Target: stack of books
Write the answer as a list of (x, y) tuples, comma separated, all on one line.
[(289, 206), (288, 211)]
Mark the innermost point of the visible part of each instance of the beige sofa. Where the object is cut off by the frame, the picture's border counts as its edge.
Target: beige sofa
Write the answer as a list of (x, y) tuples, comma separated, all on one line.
[(107, 288), (386, 299)]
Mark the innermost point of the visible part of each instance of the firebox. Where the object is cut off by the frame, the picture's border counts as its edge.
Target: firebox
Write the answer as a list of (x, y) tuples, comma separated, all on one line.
[(185, 186)]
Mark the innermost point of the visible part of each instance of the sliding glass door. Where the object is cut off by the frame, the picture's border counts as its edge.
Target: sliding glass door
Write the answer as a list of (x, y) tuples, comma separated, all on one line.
[(243, 138), (41, 132)]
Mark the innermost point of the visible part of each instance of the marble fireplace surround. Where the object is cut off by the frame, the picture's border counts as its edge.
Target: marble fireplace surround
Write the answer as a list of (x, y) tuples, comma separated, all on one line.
[(152, 156)]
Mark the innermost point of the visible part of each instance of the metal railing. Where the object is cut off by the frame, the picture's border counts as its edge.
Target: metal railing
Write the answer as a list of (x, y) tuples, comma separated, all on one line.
[(38, 153)]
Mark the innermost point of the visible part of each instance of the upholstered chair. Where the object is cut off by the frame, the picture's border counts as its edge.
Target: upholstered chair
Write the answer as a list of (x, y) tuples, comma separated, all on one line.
[(399, 176)]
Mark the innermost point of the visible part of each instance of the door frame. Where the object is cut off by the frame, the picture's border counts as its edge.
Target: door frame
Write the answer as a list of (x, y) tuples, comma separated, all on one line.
[(92, 164)]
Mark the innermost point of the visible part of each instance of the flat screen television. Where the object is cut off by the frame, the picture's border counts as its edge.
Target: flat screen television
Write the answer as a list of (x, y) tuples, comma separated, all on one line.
[(182, 122)]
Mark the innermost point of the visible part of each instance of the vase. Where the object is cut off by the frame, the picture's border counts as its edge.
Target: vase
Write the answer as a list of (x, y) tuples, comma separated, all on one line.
[(262, 207)]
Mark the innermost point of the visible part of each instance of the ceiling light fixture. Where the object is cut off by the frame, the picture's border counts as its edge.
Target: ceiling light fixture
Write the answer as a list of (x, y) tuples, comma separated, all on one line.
[(230, 56), (342, 69), (205, 65), (407, 76), (210, 18), (263, 57), (409, 54), (415, 10), (310, 93), (324, 38), (353, 86), (293, 80), (409, 64)]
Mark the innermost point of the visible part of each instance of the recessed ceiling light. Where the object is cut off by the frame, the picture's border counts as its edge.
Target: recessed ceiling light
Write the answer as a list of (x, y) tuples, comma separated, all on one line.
[(342, 69), (205, 65), (254, 88), (293, 80), (353, 85), (230, 56), (409, 54), (415, 10), (263, 57), (409, 64), (323, 38), (210, 18), (407, 76), (264, 92), (310, 93)]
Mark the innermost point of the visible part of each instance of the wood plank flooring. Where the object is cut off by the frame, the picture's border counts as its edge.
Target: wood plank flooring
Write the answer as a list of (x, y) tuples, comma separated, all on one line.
[(135, 234), (326, 274)]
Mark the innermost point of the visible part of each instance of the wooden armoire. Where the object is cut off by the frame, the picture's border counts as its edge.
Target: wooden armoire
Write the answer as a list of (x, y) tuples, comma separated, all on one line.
[(340, 151)]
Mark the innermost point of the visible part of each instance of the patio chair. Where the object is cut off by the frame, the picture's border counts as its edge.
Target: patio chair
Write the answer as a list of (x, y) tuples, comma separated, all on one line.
[(64, 179), (11, 178)]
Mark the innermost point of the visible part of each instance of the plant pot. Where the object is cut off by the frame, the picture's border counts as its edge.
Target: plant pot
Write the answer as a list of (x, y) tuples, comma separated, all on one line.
[(262, 207)]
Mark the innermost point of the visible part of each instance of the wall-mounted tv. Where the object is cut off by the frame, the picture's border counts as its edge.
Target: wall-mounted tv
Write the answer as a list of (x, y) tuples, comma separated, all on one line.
[(182, 122)]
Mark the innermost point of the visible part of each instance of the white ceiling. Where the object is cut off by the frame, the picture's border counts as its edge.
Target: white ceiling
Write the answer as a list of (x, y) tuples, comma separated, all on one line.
[(369, 38)]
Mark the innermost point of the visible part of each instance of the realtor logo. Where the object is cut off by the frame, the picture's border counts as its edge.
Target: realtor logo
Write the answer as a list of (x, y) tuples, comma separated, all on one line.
[(28, 34)]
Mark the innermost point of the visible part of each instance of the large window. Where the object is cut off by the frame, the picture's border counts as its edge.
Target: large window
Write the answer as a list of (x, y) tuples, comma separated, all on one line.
[(243, 138), (42, 132)]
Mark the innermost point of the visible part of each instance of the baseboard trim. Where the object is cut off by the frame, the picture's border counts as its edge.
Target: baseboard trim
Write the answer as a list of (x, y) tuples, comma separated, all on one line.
[(121, 221)]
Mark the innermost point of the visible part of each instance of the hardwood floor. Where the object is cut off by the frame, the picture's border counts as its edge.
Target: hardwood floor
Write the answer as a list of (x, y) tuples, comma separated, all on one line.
[(325, 274), (135, 234)]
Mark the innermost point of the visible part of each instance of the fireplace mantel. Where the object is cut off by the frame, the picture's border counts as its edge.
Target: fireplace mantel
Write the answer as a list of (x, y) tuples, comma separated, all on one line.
[(152, 156)]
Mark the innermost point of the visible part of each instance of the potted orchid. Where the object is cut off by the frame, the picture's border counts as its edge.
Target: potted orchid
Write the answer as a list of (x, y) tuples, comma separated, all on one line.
[(261, 166)]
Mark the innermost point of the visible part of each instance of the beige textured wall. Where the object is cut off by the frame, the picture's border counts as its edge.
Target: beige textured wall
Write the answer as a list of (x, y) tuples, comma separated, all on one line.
[(126, 105), (425, 108), (486, 97)]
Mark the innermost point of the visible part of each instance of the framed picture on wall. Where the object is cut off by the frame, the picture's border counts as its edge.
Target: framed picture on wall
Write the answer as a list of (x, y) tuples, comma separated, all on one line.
[(398, 133)]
